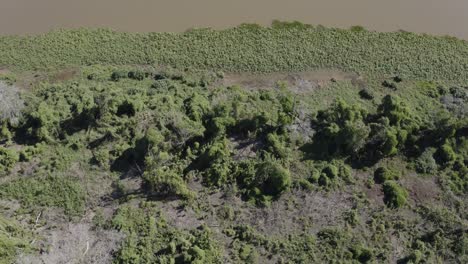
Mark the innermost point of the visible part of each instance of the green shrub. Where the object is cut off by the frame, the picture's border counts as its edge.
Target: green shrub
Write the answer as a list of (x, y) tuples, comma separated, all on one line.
[(395, 196), (383, 174), (56, 191), (341, 130), (216, 163), (149, 239), (197, 107), (446, 153), (331, 171), (362, 254), (357, 28), (5, 134), (162, 84), (426, 162), (166, 182), (366, 94), (395, 110), (262, 181), (226, 213), (276, 145), (332, 174), (272, 179), (8, 158), (136, 75), (14, 239), (248, 254), (415, 257), (389, 84), (117, 75)]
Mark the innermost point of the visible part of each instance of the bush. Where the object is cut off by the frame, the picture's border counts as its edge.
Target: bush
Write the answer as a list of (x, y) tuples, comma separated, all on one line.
[(5, 134), (272, 179), (264, 180), (397, 79), (248, 254), (362, 254), (340, 130), (276, 146), (357, 28), (446, 153), (117, 75), (395, 196), (197, 107), (8, 158), (389, 84), (395, 110), (136, 75), (162, 84), (383, 174), (331, 171), (426, 162), (56, 191), (366, 94), (216, 163), (166, 182), (13, 239), (415, 257)]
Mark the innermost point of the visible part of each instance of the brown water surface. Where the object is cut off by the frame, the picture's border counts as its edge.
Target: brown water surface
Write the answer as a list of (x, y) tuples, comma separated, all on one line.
[(440, 17)]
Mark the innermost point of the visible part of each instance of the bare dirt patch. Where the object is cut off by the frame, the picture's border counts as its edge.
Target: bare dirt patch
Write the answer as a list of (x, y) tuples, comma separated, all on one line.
[(422, 190), (76, 243), (245, 148), (300, 82), (300, 211), (65, 75)]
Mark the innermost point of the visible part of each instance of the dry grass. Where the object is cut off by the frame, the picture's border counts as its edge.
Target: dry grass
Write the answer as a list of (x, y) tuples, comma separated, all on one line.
[(11, 103)]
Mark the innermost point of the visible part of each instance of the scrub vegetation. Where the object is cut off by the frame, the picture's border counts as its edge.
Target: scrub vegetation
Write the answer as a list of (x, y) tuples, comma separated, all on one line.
[(146, 146)]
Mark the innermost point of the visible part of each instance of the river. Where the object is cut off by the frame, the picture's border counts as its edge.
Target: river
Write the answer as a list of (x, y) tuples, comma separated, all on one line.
[(439, 17)]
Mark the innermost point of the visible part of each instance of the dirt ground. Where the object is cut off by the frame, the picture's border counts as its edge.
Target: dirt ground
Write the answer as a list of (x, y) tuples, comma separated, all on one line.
[(300, 82)]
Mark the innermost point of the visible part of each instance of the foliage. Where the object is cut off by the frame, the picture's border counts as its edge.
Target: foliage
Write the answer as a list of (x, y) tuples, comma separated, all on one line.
[(78, 143), (395, 195), (151, 240), (426, 162), (383, 174), (340, 130), (263, 180), (216, 162), (166, 182), (53, 191), (12, 239), (8, 158), (272, 179), (284, 47)]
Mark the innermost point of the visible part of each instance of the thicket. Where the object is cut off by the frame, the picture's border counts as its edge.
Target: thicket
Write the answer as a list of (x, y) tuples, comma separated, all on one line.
[(149, 239), (171, 129), (349, 131)]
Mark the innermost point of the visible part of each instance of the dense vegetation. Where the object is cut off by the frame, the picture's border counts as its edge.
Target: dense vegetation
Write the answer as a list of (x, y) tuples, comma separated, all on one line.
[(247, 48), (184, 169)]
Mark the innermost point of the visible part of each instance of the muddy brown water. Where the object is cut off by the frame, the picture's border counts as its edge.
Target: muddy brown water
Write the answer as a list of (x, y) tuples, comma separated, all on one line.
[(439, 17)]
